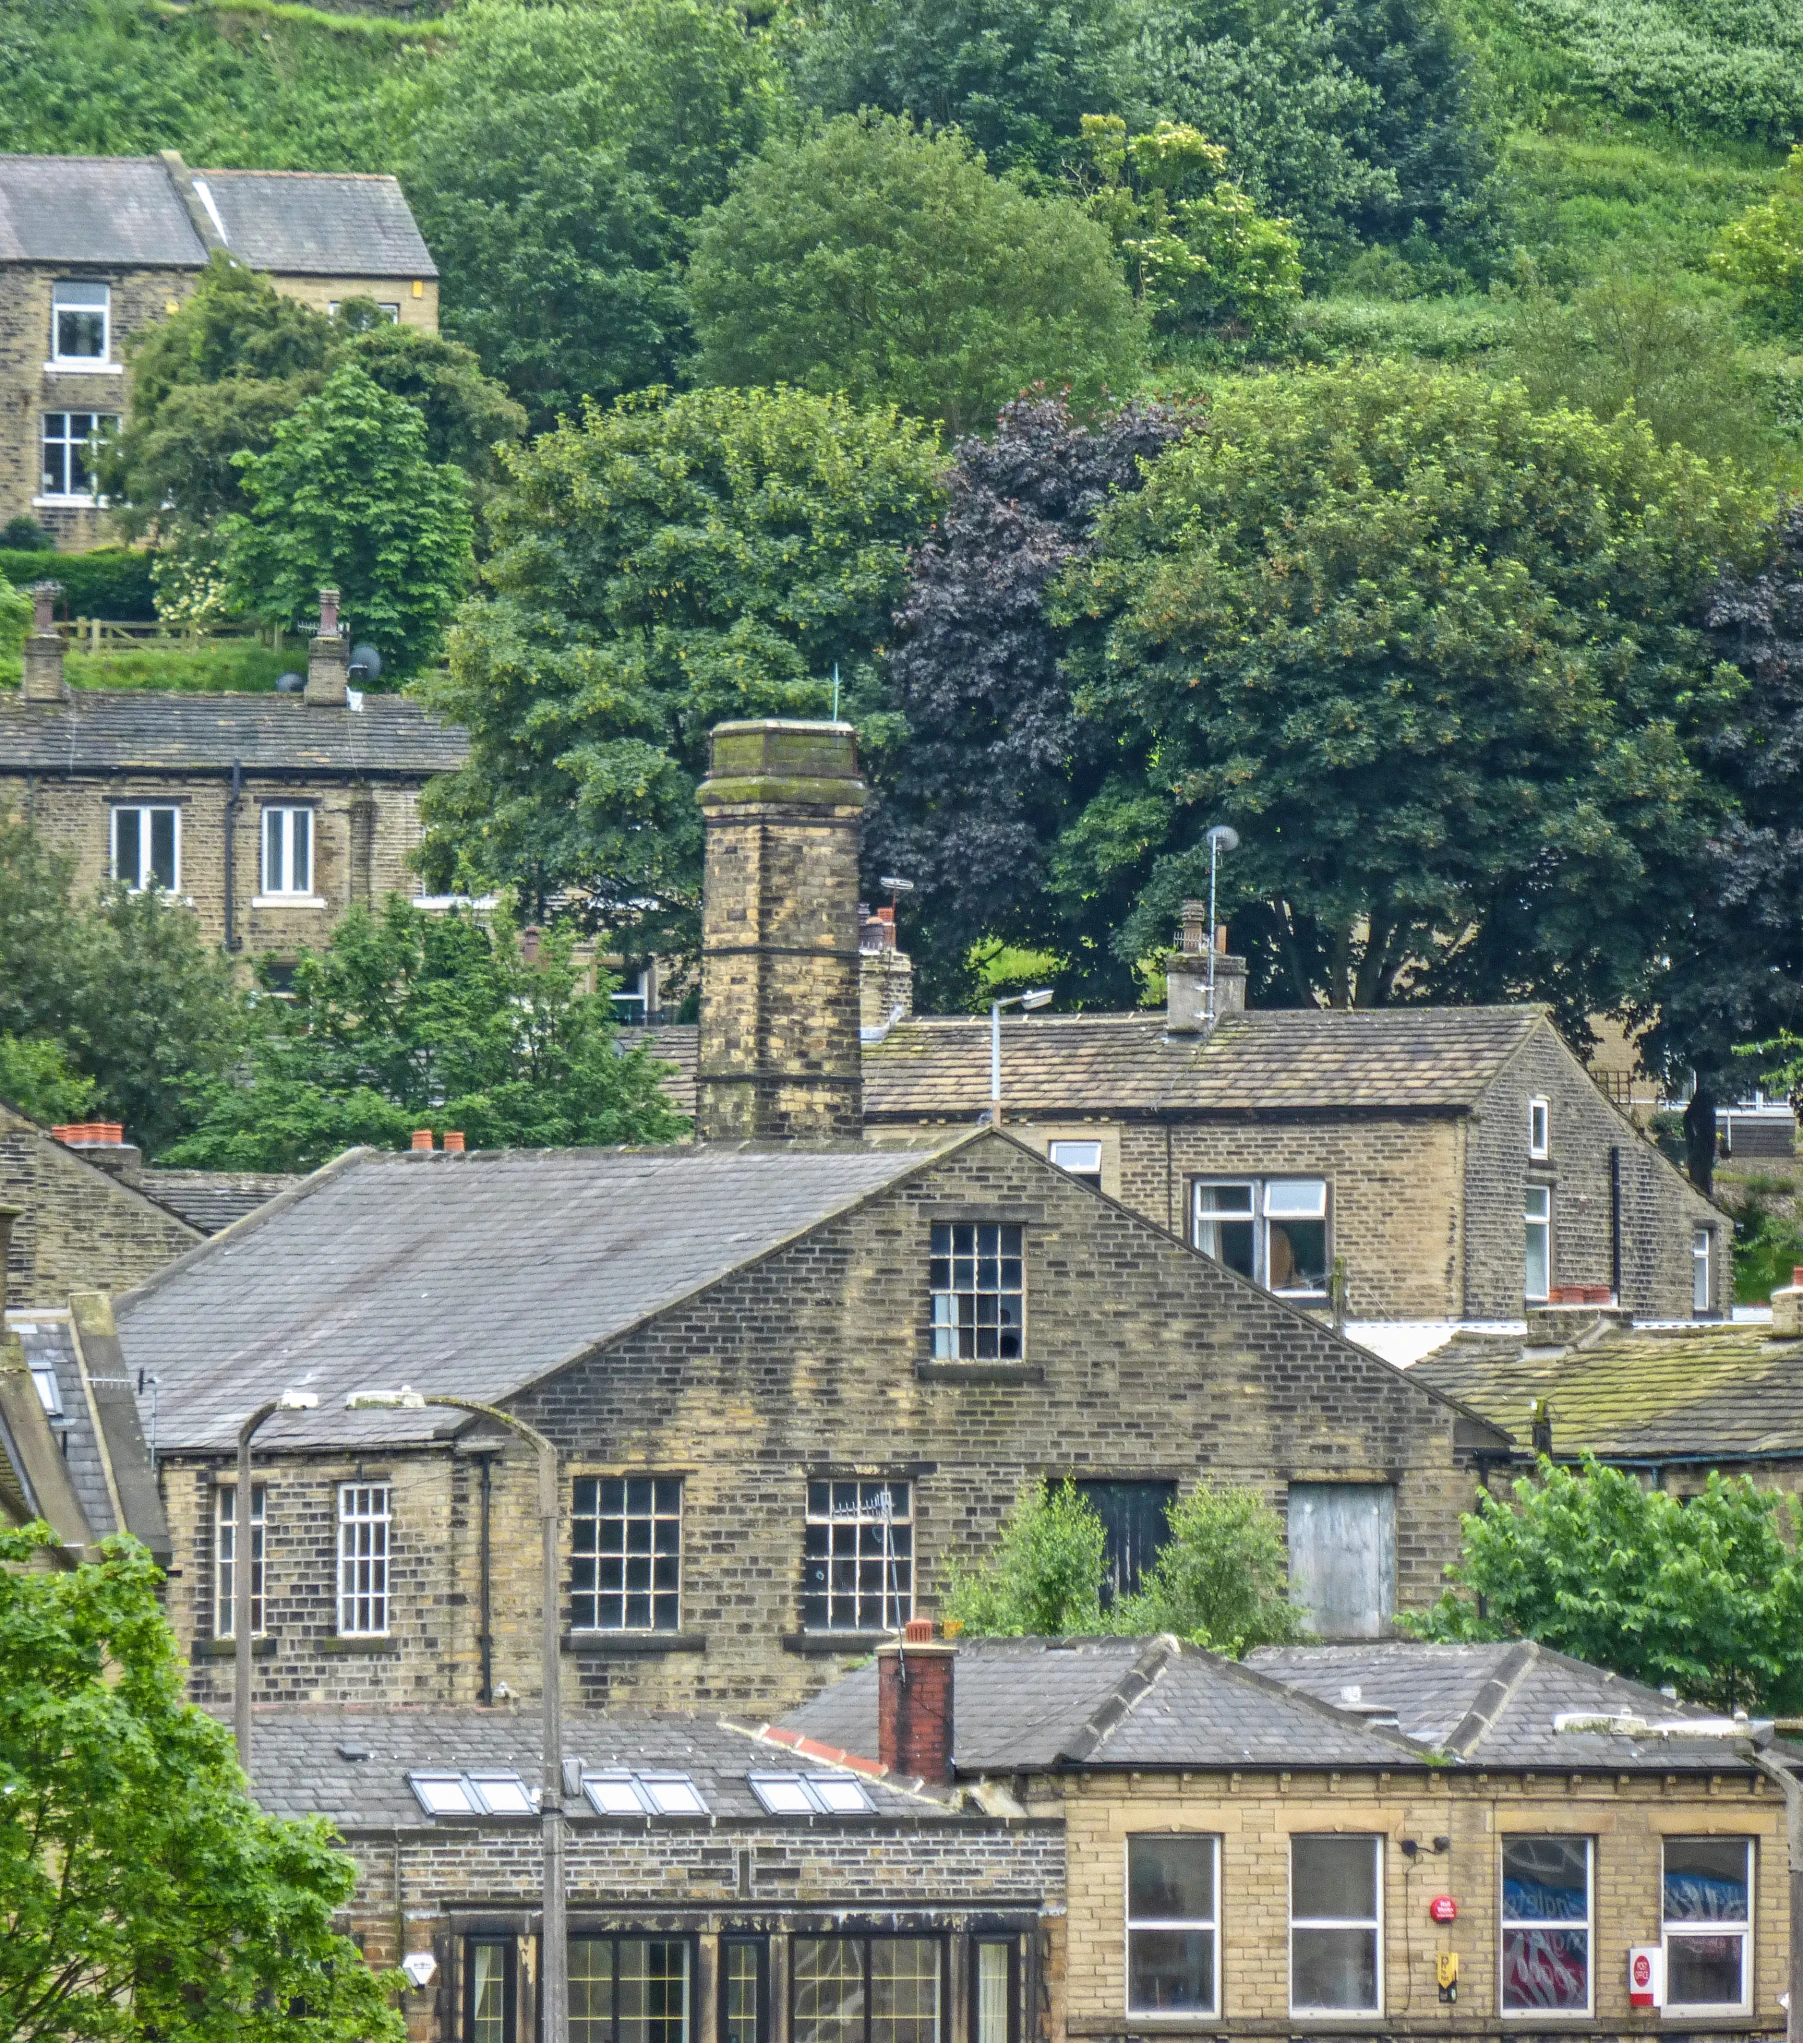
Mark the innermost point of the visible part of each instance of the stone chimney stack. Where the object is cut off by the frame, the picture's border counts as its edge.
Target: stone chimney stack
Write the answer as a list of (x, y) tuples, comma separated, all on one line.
[(44, 680), (914, 1704), (1186, 976), (328, 657), (885, 975), (782, 805)]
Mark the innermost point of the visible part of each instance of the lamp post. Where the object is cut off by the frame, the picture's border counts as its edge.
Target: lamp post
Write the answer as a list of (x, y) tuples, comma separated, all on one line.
[(554, 1957), (1221, 837), (1037, 998), (242, 1536)]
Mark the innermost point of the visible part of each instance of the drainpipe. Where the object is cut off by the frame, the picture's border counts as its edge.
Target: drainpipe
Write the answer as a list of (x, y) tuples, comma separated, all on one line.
[(487, 1464), (232, 941), (1615, 1222)]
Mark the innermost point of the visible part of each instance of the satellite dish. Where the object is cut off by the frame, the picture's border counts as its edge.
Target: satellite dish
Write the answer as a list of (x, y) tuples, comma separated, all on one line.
[(366, 664), (290, 684)]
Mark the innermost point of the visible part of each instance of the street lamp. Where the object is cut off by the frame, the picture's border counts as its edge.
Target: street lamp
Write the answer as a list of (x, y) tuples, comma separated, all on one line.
[(554, 1959), (1037, 998), (1221, 837), (289, 1401)]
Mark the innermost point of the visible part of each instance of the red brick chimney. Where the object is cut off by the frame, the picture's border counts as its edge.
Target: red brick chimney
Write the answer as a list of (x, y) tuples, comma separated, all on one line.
[(914, 1704)]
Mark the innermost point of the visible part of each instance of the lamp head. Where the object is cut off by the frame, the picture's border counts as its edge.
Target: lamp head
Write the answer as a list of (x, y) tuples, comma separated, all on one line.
[(298, 1401), (1041, 996), (1224, 837), (421, 1968), (406, 1399)]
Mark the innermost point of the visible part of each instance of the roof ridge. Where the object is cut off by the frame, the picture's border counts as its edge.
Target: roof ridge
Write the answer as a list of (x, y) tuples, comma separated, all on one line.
[(1122, 1699), (1491, 1700)]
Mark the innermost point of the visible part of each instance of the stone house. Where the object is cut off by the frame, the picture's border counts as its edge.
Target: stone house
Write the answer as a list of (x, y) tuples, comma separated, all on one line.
[(270, 815), (94, 249), (1389, 1839), (792, 1376)]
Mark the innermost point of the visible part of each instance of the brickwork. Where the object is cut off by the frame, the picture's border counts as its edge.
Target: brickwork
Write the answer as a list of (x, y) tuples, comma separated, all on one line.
[(80, 1229), (365, 835), (1255, 1817)]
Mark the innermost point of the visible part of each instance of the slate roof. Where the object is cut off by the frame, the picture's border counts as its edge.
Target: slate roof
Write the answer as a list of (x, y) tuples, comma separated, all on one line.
[(213, 1199), (299, 1768), (677, 1044), (47, 1337), (319, 223), (474, 1274), (138, 730), (1703, 1393), (1420, 1059), (94, 209)]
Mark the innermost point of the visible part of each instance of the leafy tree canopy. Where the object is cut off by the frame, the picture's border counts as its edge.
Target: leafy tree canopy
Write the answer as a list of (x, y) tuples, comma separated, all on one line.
[(36, 1076), (1762, 252), (1015, 75), (664, 566), (1703, 1594), (1433, 653), (997, 762), (348, 494), (410, 1020), (559, 155), (884, 261), (145, 1894)]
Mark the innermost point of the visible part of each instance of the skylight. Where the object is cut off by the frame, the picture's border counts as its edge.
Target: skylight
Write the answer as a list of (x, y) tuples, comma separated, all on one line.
[(50, 1396), (618, 1793), (810, 1794), (496, 1792)]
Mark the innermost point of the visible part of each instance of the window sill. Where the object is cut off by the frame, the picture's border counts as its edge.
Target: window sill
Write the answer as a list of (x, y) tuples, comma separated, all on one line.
[(68, 503), (84, 368), (333, 1643), (823, 1644), (227, 1649), (633, 1645), (980, 1372), (289, 901)]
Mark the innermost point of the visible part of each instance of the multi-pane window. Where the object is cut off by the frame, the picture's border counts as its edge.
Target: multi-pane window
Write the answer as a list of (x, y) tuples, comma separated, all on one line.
[(225, 1561), (1546, 1925), (744, 1990), (629, 1990), (1335, 1924), (996, 1994), (858, 1568), (1539, 1138), (1173, 1950), (147, 848), (80, 318), (1081, 1159), (1699, 1269), (287, 851), (1708, 1922), (68, 451), (977, 1298), (626, 1567), (1272, 1230), (488, 1992), (362, 1559), (866, 1989), (1537, 1217)]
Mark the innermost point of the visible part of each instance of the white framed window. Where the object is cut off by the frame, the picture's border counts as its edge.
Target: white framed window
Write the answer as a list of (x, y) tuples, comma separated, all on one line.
[(288, 851), (1539, 1137), (626, 1562), (1336, 1924), (225, 1560), (975, 1273), (807, 1794), (1546, 1926), (81, 325), (68, 454), (147, 848), (858, 1564), (1699, 1269), (1272, 1230), (363, 1525), (1537, 1221), (1081, 1159), (1173, 1941), (1708, 1925)]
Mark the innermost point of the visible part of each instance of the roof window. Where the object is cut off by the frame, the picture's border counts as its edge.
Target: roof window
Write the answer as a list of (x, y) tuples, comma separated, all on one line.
[(618, 1793), (810, 1794), (495, 1793), (50, 1394)]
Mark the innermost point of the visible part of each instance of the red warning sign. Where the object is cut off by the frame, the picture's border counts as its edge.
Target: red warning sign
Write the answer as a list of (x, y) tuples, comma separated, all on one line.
[(1443, 1908)]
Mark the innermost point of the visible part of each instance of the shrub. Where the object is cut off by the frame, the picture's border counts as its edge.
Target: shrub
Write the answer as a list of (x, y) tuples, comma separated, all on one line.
[(112, 581)]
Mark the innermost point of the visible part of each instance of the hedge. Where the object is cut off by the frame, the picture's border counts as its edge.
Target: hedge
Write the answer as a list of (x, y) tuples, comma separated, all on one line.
[(112, 581)]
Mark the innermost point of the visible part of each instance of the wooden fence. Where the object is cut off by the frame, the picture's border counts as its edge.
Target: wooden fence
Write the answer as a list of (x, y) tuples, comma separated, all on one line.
[(95, 634)]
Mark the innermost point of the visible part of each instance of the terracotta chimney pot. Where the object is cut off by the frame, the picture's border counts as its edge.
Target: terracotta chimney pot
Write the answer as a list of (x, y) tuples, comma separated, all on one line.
[(422, 1138), (453, 1141)]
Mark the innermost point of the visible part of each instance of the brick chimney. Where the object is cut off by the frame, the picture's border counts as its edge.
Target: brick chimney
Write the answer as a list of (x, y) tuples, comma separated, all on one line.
[(1787, 1306), (104, 1143), (914, 1704), (1186, 976), (885, 974), (328, 657), (44, 680), (779, 1058)]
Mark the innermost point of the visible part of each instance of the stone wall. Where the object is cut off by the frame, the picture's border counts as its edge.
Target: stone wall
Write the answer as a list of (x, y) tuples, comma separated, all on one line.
[(324, 292)]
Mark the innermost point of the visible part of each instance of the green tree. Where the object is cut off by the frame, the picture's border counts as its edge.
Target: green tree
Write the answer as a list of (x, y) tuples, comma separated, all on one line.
[(142, 1893), (1704, 1593), (1435, 655), (1762, 252), (559, 157), (1219, 1579), (884, 261), (1200, 255), (664, 566), (1044, 1579), (412, 1020), (37, 1077), (348, 495), (1015, 75)]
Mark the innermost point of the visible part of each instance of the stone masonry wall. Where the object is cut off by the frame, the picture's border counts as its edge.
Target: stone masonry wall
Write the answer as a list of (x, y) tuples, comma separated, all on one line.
[(1255, 1815), (81, 1229), (75, 815)]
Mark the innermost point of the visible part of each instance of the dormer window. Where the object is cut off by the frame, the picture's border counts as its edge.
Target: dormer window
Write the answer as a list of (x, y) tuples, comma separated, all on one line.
[(81, 318), (1539, 1142)]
